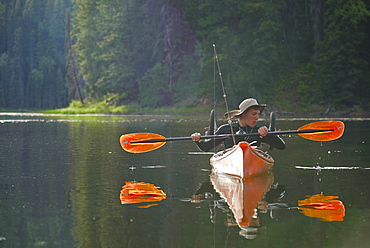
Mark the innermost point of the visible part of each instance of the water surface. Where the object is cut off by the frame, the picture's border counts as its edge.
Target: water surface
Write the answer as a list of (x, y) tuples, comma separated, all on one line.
[(61, 178)]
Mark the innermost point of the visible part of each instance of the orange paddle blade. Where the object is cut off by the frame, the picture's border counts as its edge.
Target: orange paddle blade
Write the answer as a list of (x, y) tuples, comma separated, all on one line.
[(337, 126), (126, 140)]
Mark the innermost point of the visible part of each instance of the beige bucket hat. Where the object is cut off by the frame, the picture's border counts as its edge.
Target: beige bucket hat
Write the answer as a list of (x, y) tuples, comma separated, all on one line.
[(243, 106)]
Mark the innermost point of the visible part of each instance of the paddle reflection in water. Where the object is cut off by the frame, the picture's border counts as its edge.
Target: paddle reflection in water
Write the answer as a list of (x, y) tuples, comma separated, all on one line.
[(141, 192), (325, 208)]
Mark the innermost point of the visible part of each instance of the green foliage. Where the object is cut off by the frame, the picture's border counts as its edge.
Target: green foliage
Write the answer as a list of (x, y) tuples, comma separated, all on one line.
[(299, 90), (247, 40), (160, 53), (154, 86), (187, 85), (76, 107), (343, 67), (116, 42), (31, 48)]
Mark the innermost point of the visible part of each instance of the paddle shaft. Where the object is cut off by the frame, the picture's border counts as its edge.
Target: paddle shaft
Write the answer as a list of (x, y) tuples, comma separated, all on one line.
[(222, 136)]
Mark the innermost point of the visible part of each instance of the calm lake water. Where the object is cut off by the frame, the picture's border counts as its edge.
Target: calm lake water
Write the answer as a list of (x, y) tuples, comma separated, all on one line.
[(61, 177)]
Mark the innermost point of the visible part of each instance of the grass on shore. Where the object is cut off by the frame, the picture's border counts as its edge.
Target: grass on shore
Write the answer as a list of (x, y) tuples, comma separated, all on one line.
[(77, 107)]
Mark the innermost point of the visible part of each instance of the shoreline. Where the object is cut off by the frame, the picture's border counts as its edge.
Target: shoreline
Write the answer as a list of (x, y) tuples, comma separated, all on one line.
[(279, 114)]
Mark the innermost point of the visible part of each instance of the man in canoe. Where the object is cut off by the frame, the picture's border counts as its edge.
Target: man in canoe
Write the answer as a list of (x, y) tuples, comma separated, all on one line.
[(248, 115)]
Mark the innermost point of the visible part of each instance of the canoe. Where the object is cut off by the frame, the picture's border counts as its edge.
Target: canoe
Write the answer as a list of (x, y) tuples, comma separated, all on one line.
[(242, 160)]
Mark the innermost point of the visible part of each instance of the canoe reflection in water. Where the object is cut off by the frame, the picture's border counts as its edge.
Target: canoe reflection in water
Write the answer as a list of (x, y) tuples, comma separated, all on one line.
[(245, 199), (249, 198), (141, 192)]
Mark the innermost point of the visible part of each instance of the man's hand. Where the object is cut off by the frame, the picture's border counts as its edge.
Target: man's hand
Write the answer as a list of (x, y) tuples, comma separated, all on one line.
[(262, 131), (196, 137)]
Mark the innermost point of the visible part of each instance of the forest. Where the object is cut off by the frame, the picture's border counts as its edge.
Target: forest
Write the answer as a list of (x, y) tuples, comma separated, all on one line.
[(292, 54)]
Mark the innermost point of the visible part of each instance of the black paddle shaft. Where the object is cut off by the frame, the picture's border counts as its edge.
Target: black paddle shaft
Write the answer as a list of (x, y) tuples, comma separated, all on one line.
[(223, 136)]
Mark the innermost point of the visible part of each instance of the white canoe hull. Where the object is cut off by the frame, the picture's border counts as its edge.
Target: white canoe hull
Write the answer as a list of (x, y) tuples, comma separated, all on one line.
[(242, 161)]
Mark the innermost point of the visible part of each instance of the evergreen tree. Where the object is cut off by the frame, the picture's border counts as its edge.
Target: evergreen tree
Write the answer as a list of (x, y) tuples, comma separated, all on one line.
[(32, 54), (343, 67)]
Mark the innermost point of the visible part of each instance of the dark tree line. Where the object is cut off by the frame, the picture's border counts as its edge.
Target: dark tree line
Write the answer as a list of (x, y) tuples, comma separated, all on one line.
[(32, 65), (160, 53)]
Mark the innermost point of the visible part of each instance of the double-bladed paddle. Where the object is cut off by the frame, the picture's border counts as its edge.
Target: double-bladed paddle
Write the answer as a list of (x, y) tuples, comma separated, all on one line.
[(317, 131)]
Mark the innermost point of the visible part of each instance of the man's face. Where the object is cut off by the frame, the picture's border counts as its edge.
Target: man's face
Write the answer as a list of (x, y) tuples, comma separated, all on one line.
[(251, 117)]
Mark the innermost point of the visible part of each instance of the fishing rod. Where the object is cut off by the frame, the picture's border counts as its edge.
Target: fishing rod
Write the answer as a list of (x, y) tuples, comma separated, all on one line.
[(224, 95)]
